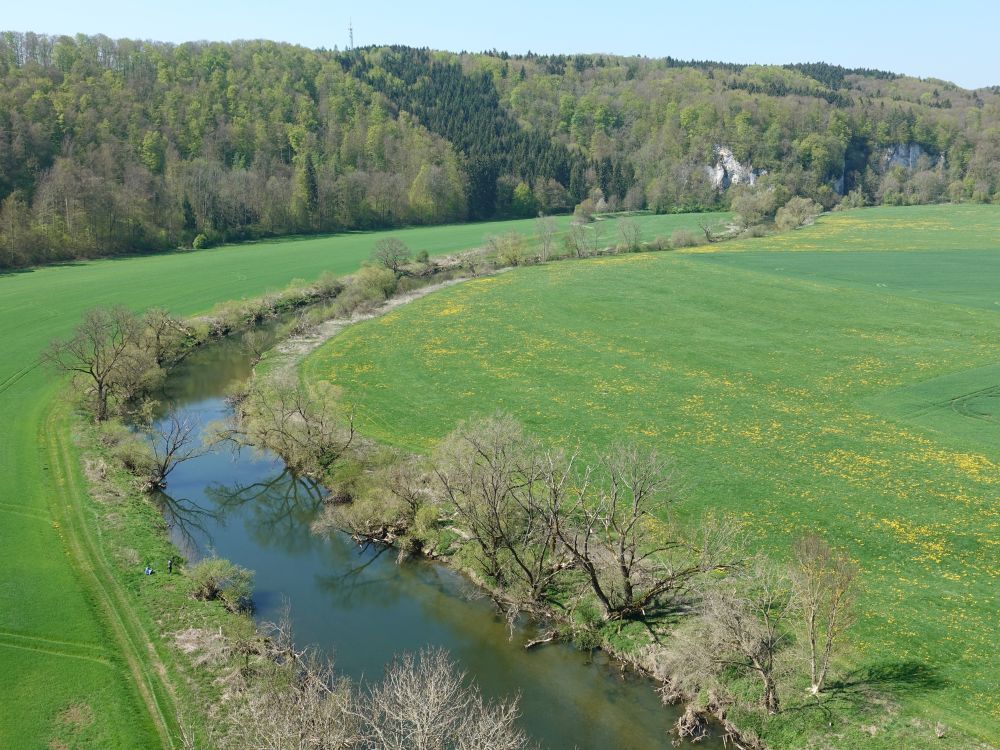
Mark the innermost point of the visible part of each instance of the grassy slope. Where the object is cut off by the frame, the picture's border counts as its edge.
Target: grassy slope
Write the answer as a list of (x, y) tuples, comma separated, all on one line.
[(60, 646), (772, 377)]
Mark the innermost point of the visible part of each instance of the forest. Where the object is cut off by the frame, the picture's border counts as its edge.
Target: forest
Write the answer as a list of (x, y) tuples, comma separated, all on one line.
[(120, 146)]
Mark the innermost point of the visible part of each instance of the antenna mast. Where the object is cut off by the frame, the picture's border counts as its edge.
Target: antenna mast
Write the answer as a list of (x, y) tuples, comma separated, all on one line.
[(350, 34)]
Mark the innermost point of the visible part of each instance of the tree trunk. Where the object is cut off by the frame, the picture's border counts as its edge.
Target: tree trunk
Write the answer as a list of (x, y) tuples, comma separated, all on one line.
[(770, 695), (102, 403)]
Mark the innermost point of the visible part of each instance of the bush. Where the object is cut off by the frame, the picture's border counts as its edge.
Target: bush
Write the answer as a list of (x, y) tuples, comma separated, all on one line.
[(201, 242), (854, 199), (584, 211), (508, 249), (411, 283), (375, 283), (683, 238), (126, 448), (796, 213), (753, 206), (757, 230), (218, 578)]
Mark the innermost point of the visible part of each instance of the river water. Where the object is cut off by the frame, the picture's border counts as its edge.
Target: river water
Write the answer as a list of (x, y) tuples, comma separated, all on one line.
[(361, 607)]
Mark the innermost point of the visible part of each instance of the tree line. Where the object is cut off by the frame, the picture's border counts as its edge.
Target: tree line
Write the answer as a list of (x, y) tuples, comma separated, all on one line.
[(586, 547), (114, 146)]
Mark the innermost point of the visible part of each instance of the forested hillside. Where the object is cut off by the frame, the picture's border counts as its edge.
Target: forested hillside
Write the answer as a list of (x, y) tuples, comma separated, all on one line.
[(124, 146)]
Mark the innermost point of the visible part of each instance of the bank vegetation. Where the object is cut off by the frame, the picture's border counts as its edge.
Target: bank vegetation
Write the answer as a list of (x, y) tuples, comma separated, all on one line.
[(580, 540)]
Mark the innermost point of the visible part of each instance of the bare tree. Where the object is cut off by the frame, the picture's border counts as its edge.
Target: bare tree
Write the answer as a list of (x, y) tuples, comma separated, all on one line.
[(710, 235), (391, 253), (630, 559), (596, 236), (298, 703), (494, 477), (294, 700), (576, 239), (425, 703), (164, 335), (630, 233), (741, 627), (823, 582), (507, 248), (545, 230), (172, 444), (304, 425), (256, 343), (106, 353), (748, 619)]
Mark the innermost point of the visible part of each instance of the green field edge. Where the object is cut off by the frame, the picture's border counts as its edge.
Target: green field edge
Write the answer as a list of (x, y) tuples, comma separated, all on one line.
[(69, 509), (310, 368)]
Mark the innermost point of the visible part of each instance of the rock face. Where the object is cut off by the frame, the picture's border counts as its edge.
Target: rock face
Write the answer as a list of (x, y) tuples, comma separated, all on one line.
[(838, 184), (728, 171), (903, 155)]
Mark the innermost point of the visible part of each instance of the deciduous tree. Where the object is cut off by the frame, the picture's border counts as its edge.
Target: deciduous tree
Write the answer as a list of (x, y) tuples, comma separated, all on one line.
[(824, 583), (107, 356), (391, 253)]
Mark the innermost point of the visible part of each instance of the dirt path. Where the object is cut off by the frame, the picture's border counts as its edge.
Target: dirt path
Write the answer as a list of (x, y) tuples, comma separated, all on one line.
[(285, 356), (131, 640)]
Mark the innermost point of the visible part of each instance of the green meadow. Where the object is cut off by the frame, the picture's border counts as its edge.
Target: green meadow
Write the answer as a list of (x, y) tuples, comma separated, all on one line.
[(842, 379), (76, 650)]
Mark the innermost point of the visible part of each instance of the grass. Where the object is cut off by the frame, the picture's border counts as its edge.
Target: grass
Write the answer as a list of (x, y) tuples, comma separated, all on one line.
[(73, 638), (804, 382)]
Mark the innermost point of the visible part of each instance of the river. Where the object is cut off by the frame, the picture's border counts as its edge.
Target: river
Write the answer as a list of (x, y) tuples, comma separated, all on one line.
[(361, 607)]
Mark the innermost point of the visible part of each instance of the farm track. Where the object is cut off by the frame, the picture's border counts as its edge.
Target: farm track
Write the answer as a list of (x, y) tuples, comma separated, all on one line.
[(12, 379), (37, 307), (20, 511), (67, 649), (146, 669), (964, 404)]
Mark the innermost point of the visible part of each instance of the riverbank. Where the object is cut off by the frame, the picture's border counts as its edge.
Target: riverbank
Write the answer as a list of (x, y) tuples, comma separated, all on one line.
[(199, 637), (635, 651), (43, 598)]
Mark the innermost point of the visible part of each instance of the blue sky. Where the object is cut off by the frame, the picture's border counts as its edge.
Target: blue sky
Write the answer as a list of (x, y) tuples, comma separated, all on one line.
[(953, 40)]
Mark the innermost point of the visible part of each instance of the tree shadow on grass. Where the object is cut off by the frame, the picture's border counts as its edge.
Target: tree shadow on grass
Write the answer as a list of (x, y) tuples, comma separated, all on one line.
[(874, 689), (895, 677)]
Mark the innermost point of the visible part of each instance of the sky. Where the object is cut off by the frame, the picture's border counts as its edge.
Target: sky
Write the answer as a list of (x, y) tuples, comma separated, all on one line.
[(954, 41)]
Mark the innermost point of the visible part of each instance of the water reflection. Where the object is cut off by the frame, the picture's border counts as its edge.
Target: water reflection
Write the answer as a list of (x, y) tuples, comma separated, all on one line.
[(362, 606), (277, 511), (188, 522)]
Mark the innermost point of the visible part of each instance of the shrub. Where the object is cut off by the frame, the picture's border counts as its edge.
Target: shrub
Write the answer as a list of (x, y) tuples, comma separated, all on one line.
[(753, 206), (796, 213), (216, 578), (757, 230), (126, 448), (328, 285), (411, 283), (375, 282), (854, 199), (508, 249), (201, 242), (683, 238)]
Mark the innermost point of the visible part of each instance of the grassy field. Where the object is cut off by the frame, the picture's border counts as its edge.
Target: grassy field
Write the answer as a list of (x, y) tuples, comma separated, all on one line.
[(803, 382), (76, 660)]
